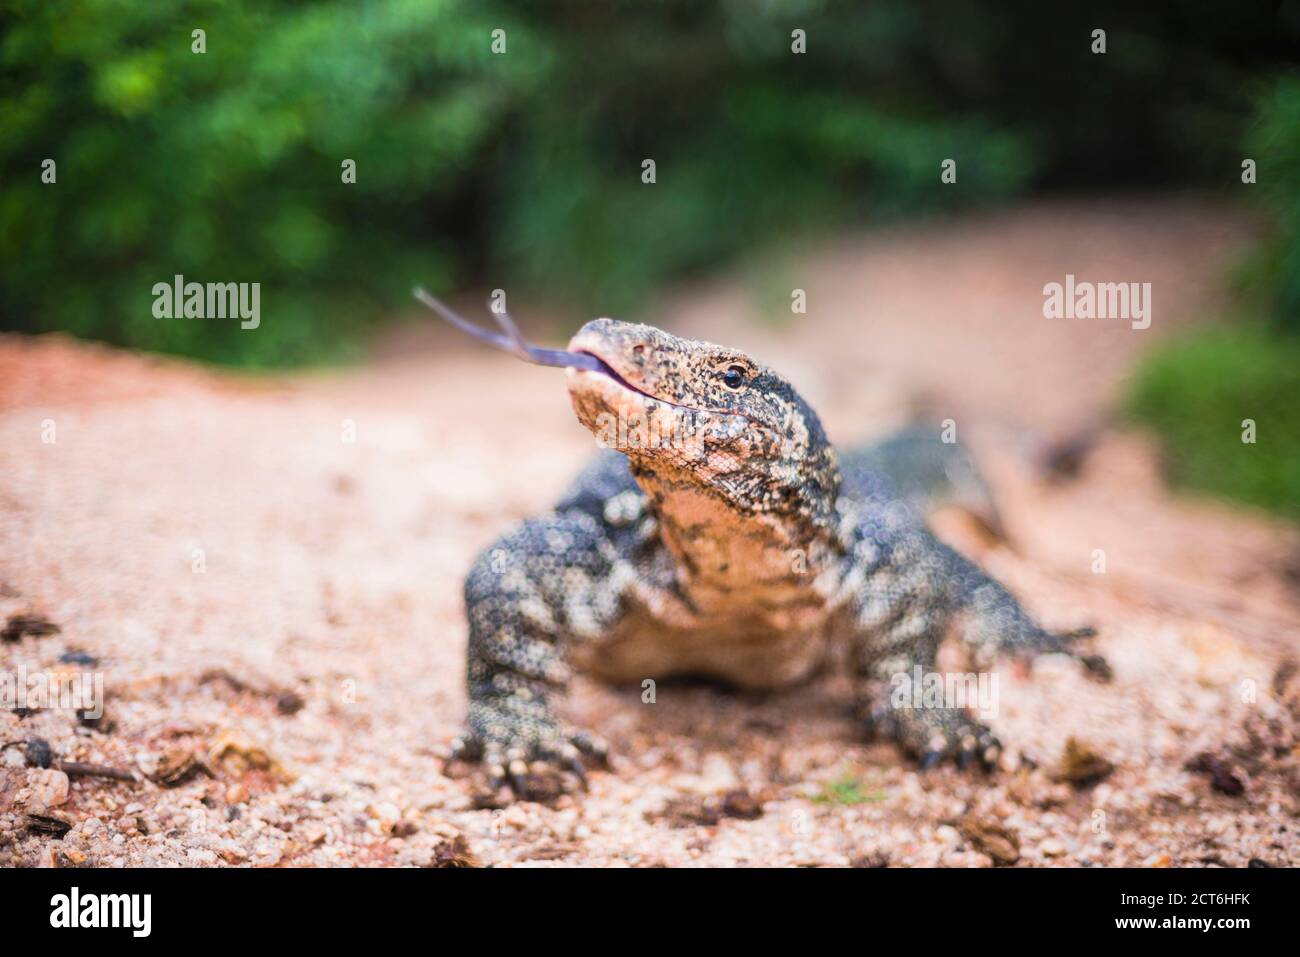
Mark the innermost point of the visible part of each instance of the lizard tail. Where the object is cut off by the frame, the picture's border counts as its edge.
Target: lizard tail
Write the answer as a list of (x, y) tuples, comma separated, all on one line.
[(929, 473)]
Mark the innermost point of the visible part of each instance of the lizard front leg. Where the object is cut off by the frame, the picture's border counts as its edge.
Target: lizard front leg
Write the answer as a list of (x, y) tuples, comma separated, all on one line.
[(930, 732), (528, 597), (903, 604)]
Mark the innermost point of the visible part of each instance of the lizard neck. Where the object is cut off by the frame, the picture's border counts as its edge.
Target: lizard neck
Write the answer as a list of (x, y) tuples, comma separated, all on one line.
[(732, 561)]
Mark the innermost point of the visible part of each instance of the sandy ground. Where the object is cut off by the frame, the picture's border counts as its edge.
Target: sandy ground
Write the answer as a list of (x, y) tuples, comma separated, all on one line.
[(266, 574)]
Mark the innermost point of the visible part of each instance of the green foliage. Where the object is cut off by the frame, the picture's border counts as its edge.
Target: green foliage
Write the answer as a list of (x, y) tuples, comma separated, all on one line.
[(226, 165), (848, 790), (1274, 144), (1196, 391), (523, 169)]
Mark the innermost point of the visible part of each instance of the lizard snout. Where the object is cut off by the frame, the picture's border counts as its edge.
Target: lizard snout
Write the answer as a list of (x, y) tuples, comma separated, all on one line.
[(625, 347), (629, 352)]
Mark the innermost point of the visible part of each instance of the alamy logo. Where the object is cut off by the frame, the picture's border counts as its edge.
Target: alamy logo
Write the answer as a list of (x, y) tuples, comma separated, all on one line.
[(41, 690), (103, 910), (213, 300), (1098, 300), (637, 430), (947, 690)]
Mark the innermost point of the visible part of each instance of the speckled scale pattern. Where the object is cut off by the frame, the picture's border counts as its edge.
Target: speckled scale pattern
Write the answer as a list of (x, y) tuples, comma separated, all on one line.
[(745, 557)]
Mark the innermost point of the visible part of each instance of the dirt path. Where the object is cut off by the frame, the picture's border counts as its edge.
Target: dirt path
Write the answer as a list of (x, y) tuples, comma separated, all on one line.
[(269, 573)]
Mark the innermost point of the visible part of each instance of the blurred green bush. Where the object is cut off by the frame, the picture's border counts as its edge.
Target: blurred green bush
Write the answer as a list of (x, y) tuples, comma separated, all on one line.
[(1197, 390), (523, 170), (1270, 281)]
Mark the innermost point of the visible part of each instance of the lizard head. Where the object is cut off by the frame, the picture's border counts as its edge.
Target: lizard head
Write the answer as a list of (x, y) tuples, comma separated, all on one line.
[(704, 421)]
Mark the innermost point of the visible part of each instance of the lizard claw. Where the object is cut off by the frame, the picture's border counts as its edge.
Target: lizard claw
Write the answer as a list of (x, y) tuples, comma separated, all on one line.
[(1063, 642), (1087, 631), (983, 751), (592, 746), (529, 754), (575, 765), (1098, 668), (937, 735), (464, 748), (517, 771)]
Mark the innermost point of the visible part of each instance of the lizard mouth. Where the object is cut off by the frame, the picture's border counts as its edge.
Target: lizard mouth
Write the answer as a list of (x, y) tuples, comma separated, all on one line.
[(607, 371)]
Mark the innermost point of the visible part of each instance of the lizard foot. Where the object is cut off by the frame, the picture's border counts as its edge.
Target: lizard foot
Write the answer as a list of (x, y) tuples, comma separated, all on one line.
[(1063, 643), (526, 749), (936, 735)]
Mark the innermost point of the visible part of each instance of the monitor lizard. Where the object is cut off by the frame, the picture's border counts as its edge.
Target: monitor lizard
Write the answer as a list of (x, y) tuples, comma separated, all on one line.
[(719, 533)]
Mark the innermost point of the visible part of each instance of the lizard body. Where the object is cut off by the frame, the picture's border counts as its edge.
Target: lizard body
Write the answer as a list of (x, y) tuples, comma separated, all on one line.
[(719, 534)]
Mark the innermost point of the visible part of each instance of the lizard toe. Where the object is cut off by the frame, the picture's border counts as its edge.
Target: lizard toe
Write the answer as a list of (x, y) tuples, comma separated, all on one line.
[(592, 746)]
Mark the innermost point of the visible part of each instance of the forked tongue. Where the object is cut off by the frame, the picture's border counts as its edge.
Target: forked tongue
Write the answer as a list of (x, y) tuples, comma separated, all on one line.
[(513, 341)]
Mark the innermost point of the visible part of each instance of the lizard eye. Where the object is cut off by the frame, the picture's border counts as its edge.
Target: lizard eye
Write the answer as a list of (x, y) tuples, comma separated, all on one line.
[(734, 377)]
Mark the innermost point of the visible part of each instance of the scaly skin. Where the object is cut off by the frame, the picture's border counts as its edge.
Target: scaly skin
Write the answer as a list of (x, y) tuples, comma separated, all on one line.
[(720, 536)]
